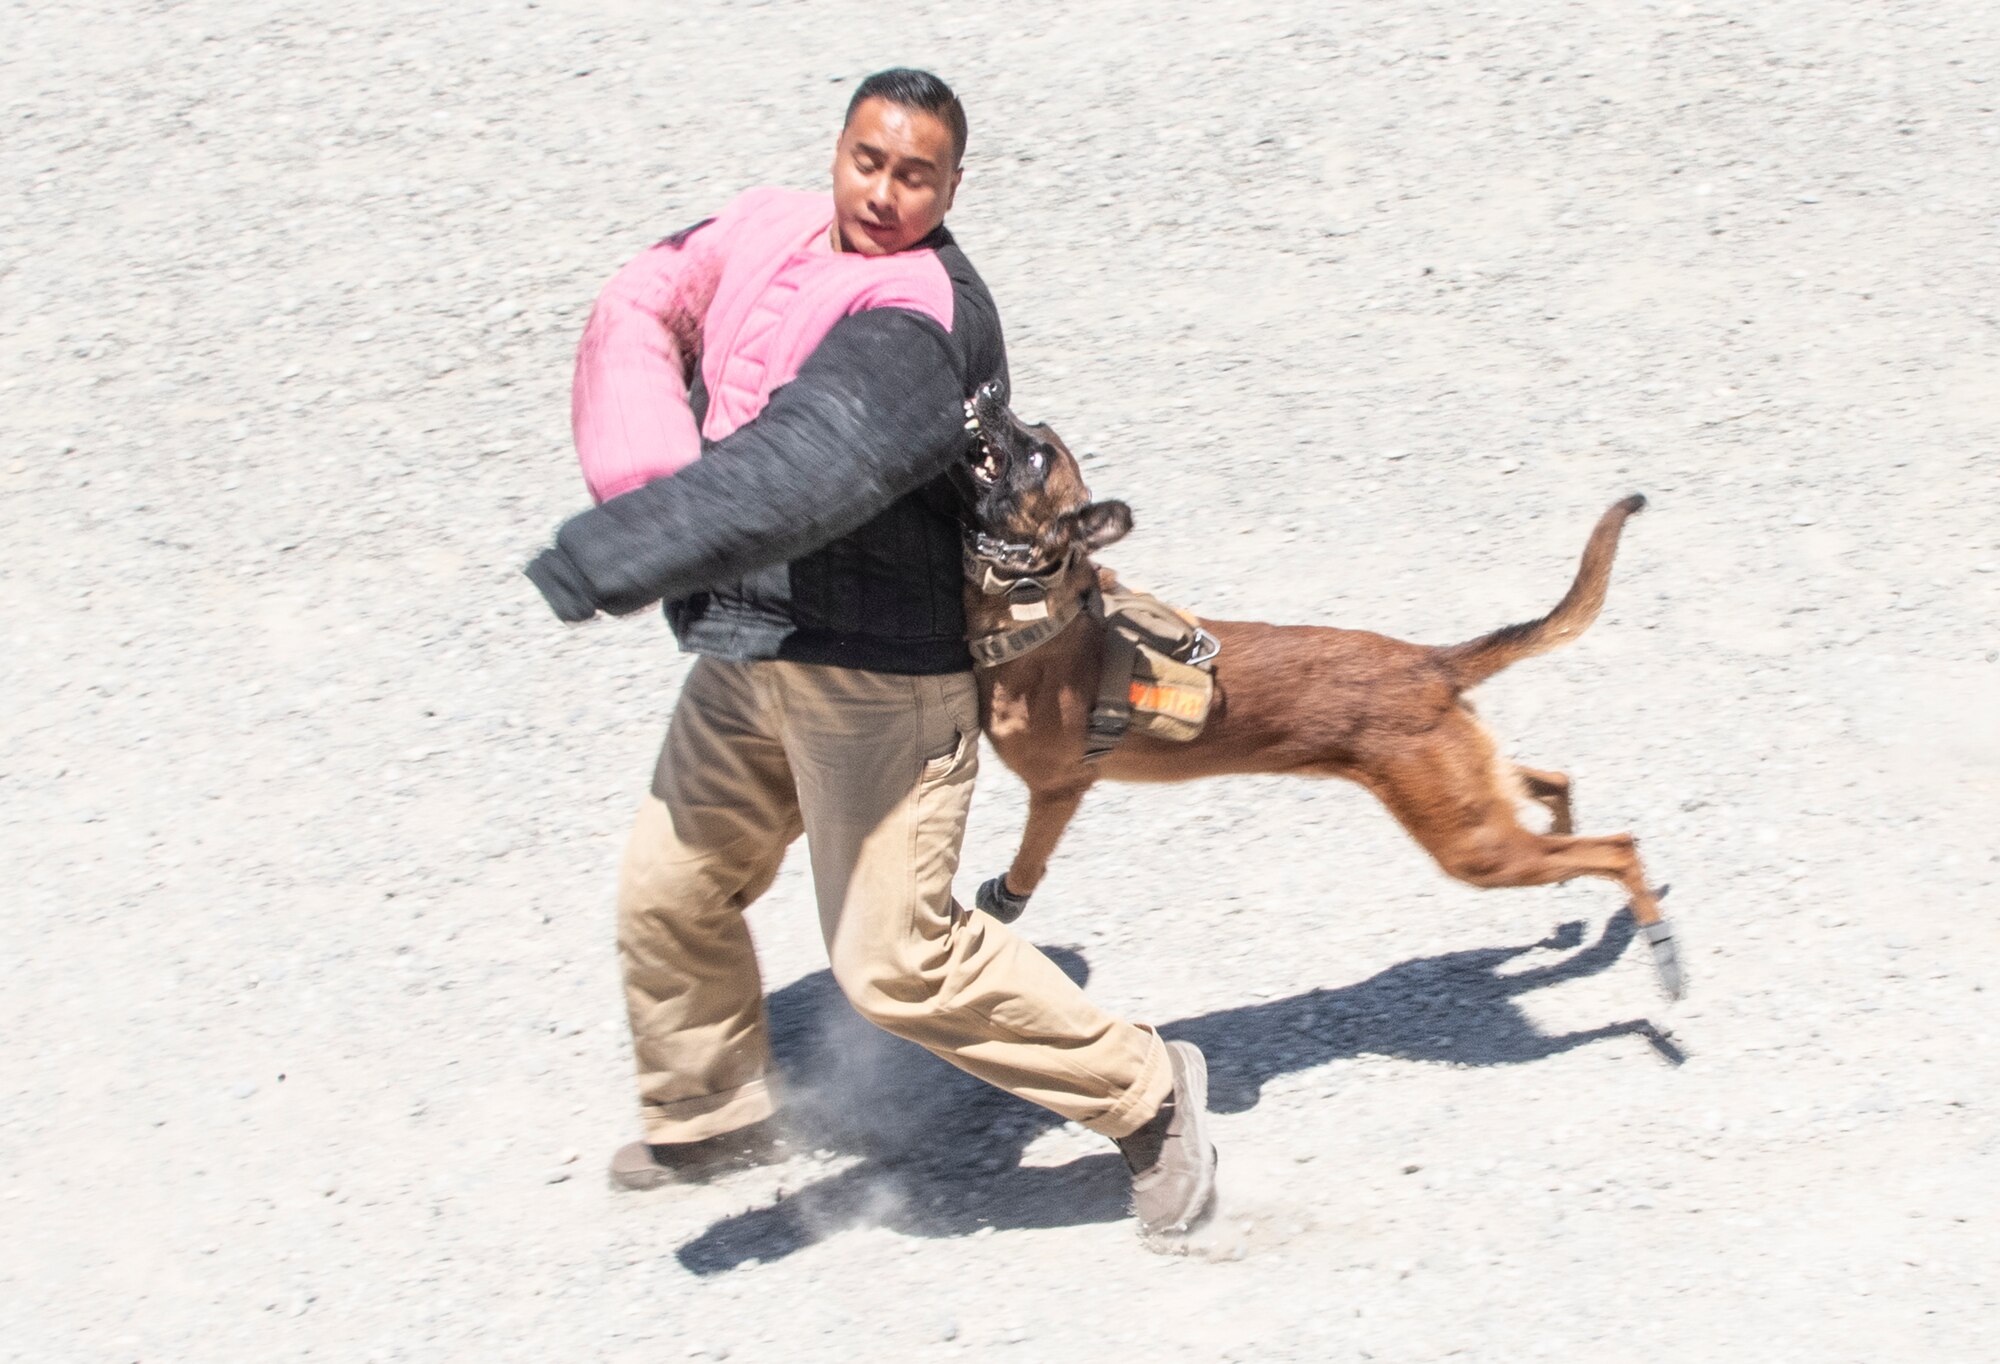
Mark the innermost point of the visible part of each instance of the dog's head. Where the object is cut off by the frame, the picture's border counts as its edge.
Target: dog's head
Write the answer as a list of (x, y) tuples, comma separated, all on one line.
[(1029, 494)]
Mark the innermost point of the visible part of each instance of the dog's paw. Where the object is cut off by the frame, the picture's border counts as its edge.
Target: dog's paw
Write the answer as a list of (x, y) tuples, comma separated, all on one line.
[(997, 900)]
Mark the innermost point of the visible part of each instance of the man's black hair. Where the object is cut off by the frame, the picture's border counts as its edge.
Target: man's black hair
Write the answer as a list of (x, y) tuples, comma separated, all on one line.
[(915, 89)]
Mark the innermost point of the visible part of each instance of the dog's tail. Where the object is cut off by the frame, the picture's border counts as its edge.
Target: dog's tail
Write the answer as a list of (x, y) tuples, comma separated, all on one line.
[(1476, 660)]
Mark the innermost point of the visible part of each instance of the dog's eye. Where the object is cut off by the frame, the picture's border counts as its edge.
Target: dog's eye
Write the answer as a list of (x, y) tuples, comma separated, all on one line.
[(1035, 460)]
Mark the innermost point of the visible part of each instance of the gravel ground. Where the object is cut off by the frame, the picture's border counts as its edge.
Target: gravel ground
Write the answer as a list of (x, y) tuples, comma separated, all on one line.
[(312, 1044)]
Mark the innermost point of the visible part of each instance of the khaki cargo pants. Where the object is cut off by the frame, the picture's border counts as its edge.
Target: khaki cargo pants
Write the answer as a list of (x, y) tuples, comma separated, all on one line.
[(876, 770)]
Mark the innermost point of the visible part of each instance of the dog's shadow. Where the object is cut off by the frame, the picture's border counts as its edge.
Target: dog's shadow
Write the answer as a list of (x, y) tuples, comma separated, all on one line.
[(940, 1151)]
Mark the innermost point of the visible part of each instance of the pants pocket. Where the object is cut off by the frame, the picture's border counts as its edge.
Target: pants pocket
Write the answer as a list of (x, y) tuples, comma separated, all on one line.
[(951, 720), (941, 766)]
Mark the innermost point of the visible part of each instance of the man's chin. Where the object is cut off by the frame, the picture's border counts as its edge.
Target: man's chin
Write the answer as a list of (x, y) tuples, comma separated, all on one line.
[(862, 241)]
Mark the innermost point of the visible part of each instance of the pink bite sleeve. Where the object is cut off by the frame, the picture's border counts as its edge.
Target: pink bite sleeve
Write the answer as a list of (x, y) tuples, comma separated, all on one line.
[(629, 406)]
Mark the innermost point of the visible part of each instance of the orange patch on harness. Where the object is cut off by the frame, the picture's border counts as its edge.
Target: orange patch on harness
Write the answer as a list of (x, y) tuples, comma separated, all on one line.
[(1177, 702)]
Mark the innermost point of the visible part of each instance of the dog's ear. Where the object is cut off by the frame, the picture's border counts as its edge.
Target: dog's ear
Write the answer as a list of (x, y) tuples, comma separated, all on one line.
[(1104, 523)]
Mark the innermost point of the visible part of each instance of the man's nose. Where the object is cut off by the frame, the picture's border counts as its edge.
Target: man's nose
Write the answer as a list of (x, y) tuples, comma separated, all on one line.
[(879, 188)]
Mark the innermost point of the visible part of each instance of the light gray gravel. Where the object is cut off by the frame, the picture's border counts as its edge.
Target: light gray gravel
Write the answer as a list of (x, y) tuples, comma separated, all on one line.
[(311, 1034)]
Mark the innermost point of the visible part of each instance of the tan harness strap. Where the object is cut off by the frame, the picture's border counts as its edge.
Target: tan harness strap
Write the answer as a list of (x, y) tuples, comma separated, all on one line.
[(990, 651), (1111, 712)]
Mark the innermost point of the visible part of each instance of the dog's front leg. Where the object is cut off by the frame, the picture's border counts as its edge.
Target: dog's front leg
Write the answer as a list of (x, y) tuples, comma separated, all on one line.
[(1049, 813)]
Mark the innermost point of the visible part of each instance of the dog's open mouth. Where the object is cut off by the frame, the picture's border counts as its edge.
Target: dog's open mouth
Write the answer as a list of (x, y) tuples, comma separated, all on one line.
[(985, 464)]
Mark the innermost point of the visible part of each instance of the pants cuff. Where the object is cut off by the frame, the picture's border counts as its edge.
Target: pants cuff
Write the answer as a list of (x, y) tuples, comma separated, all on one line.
[(1137, 1105), (707, 1115)]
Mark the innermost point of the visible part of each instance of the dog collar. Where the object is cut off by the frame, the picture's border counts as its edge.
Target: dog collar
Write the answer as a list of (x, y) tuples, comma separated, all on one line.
[(991, 564)]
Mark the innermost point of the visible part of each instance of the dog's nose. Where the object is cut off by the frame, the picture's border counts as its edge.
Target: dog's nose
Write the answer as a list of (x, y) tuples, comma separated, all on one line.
[(990, 391)]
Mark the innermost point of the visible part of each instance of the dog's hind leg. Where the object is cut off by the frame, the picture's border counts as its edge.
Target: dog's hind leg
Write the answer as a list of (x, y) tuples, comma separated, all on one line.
[(1551, 791), (1005, 897), (1541, 860), (1496, 856), (1447, 793)]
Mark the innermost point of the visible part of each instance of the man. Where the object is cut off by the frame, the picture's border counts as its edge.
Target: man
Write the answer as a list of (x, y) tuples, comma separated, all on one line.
[(768, 406)]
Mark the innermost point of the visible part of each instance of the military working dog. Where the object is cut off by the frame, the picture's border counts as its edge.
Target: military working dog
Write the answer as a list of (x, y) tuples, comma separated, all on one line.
[(1304, 699)]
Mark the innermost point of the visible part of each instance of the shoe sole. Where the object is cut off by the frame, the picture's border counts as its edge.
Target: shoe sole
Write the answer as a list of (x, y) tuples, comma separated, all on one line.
[(706, 1160), (1193, 1102), (632, 1170), (639, 1183)]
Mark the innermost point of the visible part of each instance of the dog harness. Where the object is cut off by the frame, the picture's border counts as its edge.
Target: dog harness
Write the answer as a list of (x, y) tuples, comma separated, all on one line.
[(1158, 673), (1158, 677)]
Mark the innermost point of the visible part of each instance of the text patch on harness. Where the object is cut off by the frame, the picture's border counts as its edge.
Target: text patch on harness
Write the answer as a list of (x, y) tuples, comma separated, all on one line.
[(1186, 704)]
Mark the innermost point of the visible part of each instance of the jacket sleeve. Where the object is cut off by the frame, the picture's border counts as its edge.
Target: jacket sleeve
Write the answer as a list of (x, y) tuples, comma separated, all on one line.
[(876, 411), (629, 406)]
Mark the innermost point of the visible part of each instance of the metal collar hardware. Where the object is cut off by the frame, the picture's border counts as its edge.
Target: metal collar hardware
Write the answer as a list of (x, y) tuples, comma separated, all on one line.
[(1034, 595)]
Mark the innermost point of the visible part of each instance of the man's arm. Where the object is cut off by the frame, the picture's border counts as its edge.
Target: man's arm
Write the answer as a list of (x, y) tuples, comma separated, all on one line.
[(876, 411), (629, 402)]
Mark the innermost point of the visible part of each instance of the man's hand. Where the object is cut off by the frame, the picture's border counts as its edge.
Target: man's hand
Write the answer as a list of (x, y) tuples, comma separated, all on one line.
[(562, 586)]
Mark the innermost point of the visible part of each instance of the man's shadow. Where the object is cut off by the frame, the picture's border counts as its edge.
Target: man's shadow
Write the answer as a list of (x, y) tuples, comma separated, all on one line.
[(940, 1151)]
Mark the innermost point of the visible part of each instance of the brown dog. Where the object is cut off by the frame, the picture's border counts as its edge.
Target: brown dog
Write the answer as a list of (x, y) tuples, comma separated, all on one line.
[(1288, 698)]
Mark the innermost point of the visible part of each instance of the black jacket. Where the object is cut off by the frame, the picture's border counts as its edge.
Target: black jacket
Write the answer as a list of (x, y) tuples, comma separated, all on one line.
[(823, 531)]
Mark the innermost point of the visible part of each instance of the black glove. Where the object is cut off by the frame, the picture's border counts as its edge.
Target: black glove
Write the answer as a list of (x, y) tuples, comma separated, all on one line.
[(561, 585)]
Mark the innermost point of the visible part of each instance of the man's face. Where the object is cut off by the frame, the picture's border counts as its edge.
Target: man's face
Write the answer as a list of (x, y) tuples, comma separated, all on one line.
[(894, 176)]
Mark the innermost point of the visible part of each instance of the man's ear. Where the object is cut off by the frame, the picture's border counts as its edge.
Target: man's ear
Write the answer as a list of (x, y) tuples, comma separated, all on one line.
[(1104, 523)]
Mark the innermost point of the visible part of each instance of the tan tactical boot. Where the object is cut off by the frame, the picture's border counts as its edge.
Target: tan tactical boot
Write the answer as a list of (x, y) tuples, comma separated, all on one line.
[(1172, 1162)]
